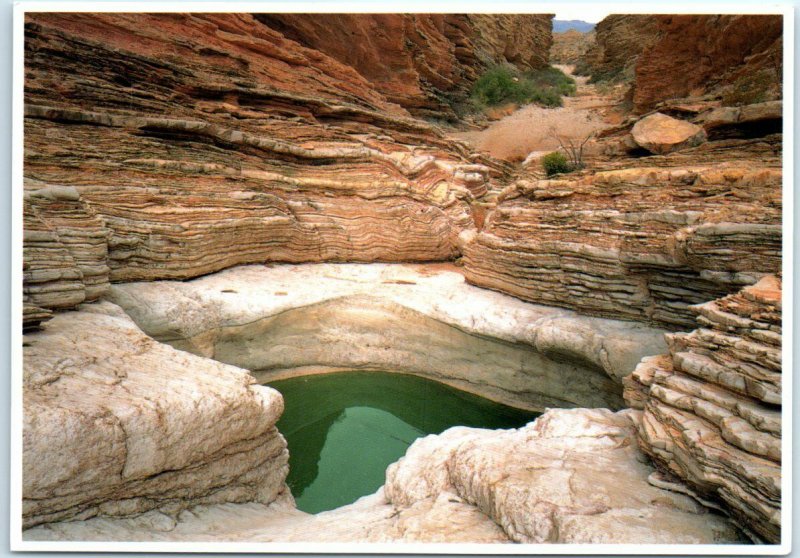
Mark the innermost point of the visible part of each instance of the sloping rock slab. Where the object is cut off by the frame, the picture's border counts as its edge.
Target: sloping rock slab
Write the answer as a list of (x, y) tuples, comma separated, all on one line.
[(116, 424), (420, 319), (572, 476)]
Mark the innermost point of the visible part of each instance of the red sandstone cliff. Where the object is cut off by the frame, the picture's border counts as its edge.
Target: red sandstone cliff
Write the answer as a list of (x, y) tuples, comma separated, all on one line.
[(736, 56), (173, 145), (422, 61)]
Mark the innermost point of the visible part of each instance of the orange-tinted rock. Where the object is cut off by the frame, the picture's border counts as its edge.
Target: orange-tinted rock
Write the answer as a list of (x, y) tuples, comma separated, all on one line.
[(570, 46), (423, 62), (618, 42), (662, 134), (700, 54), (641, 243), (712, 407), (194, 142)]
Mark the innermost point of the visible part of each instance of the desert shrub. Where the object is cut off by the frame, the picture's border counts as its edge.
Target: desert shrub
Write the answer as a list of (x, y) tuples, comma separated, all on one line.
[(552, 79), (555, 163), (503, 84), (498, 85)]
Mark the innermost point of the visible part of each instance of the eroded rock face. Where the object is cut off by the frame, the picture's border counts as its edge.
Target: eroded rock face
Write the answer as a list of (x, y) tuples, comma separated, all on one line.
[(422, 320), (423, 62), (700, 54), (570, 477), (181, 136), (618, 42), (639, 243), (738, 57), (712, 406), (116, 424), (570, 46), (662, 134)]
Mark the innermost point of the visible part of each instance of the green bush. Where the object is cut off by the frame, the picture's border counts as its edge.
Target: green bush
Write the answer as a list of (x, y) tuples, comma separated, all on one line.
[(556, 163), (503, 84)]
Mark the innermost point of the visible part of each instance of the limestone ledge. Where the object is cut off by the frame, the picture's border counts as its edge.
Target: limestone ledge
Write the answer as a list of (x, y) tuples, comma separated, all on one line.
[(572, 476), (281, 320), (712, 407), (116, 424), (217, 141), (642, 243)]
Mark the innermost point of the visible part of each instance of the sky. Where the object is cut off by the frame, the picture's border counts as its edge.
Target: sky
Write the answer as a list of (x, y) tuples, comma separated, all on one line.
[(583, 13)]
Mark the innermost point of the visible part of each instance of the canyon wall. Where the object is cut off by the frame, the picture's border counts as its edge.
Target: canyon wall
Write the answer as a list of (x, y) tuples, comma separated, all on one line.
[(570, 46), (618, 42), (638, 243), (735, 57), (423, 62), (712, 407), (154, 143)]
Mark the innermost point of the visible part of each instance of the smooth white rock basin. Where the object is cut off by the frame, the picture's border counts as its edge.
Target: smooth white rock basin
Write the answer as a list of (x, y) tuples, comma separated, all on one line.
[(285, 320)]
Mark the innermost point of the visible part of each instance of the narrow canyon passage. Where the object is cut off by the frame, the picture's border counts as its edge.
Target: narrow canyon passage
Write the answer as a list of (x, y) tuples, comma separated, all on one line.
[(281, 288)]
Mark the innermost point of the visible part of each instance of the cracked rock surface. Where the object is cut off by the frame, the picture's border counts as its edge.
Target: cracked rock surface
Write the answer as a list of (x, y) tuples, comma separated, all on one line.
[(116, 424), (572, 476)]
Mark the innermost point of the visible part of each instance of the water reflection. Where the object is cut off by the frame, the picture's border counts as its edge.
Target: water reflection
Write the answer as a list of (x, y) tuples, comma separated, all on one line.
[(344, 429)]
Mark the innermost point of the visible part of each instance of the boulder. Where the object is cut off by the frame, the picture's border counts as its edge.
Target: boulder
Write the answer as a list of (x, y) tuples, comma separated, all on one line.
[(661, 134)]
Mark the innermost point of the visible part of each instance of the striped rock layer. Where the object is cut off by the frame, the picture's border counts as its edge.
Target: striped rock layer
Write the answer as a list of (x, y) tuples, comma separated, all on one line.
[(423, 62), (712, 407), (642, 243), (174, 145)]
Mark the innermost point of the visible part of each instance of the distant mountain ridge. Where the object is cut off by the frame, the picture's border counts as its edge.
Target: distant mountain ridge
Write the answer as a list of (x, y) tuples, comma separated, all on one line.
[(561, 25)]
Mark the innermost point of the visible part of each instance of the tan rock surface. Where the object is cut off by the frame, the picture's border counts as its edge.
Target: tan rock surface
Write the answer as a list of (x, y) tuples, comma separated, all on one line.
[(570, 46), (116, 424), (618, 41), (286, 320), (184, 135), (573, 476), (570, 477), (712, 407), (662, 134), (641, 243)]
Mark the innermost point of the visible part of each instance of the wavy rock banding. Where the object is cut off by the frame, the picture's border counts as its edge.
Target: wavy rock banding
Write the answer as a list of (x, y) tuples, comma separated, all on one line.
[(712, 406), (638, 243)]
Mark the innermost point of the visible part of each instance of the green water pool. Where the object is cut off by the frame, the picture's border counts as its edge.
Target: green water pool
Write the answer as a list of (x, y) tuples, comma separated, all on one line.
[(344, 429)]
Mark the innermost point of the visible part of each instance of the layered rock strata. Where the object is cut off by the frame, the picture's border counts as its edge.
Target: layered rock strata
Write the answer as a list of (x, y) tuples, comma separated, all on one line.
[(736, 57), (712, 406), (116, 424), (179, 136), (570, 477), (423, 62), (618, 42), (711, 54), (422, 320), (642, 243)]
